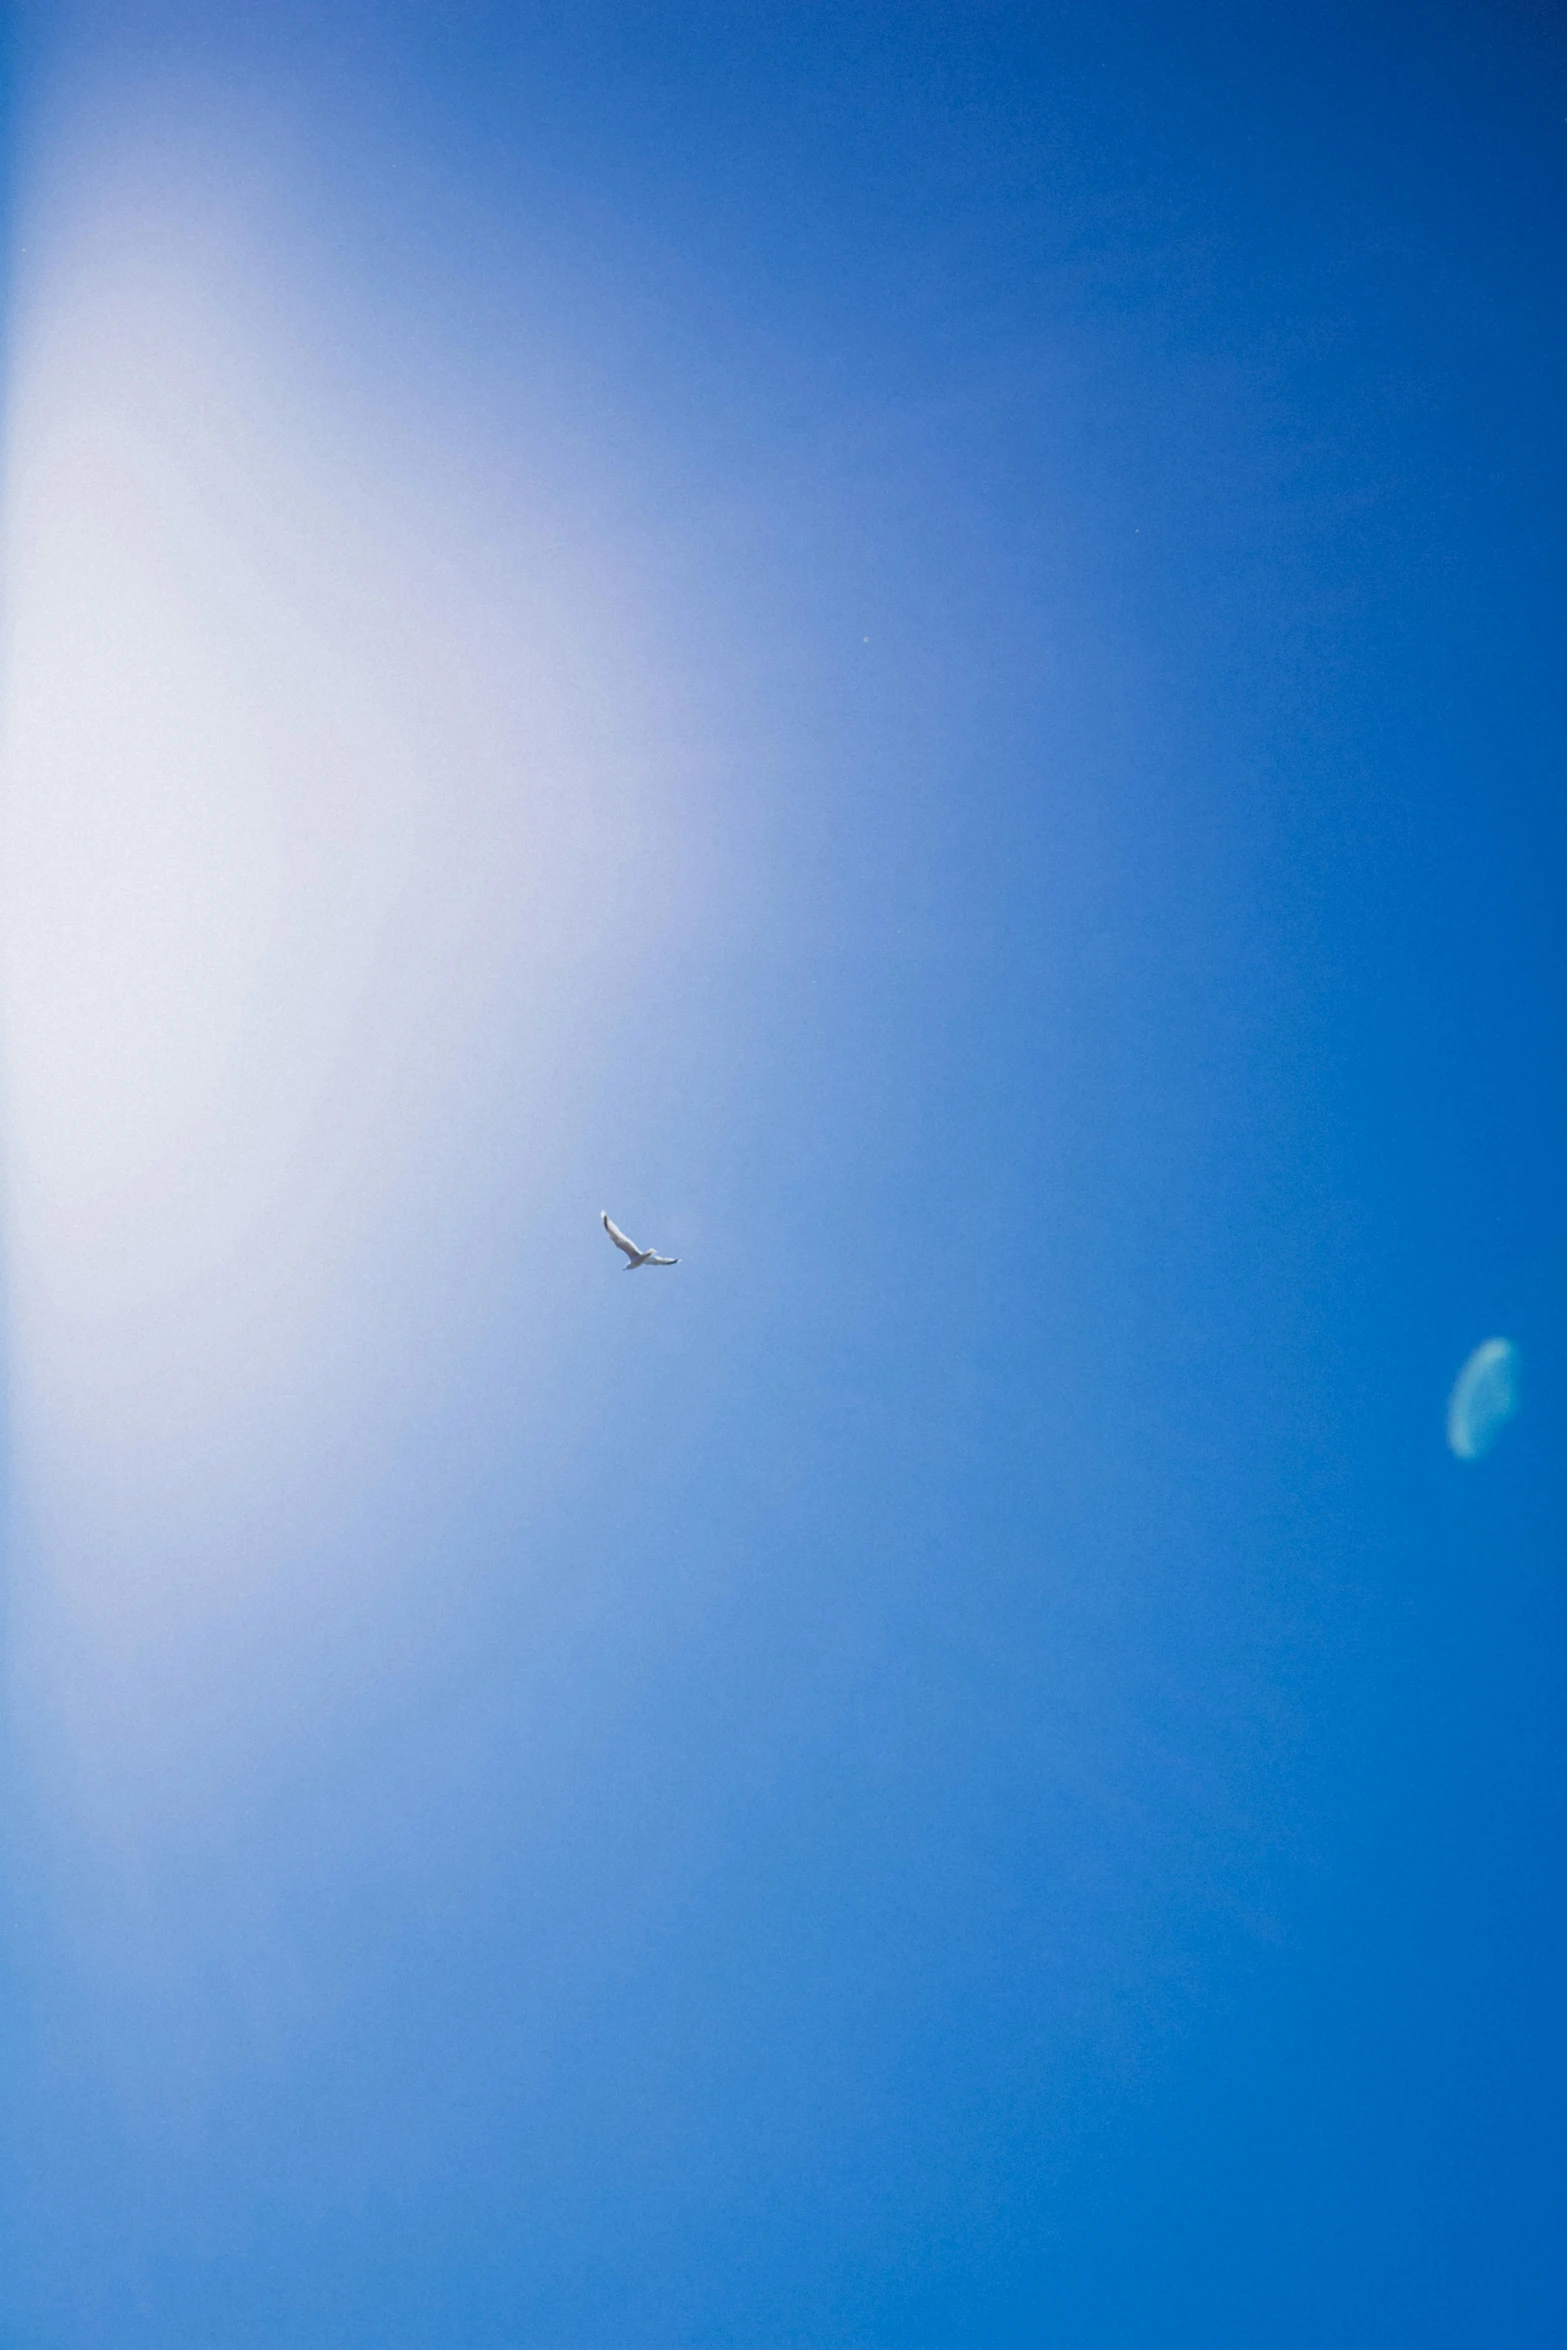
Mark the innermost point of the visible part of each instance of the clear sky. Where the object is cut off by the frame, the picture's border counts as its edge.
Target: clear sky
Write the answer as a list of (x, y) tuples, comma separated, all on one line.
[(918, 647)]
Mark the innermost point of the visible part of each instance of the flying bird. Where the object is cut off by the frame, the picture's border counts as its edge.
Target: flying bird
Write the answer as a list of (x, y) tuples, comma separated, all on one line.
[(635, 1256)]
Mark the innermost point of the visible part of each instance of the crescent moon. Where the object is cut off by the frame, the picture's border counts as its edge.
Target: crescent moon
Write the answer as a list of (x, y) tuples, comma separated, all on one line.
[(1485, 1396)]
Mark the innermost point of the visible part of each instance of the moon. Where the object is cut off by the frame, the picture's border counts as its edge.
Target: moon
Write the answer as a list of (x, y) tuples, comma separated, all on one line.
[(1485, 1396)]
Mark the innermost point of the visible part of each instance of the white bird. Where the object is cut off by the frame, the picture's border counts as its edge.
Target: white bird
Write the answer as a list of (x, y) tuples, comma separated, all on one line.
[(635, 1256)]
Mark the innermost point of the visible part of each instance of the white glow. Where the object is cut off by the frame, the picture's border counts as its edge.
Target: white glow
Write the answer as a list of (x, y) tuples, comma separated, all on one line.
[(336, 816)]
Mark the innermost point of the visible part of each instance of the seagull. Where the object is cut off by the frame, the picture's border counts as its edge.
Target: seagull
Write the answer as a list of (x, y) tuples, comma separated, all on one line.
[(635, 1256)]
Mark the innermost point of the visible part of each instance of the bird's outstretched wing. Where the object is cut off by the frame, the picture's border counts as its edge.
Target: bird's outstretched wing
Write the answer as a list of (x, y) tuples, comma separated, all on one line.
[(621, 1242), (655, 1260)]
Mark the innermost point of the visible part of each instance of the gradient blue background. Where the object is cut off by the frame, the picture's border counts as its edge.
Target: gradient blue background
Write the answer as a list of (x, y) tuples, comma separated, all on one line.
[(1034, 1811)]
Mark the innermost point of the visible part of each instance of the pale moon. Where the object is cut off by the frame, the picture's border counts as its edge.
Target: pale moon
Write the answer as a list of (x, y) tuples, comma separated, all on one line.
[(1484, 1398)]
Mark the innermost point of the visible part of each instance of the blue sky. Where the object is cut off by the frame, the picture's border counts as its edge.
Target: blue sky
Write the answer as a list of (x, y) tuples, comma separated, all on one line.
[(918, 648)]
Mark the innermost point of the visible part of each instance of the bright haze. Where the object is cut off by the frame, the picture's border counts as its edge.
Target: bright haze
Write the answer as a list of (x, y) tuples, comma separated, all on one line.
[(918, 645)]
